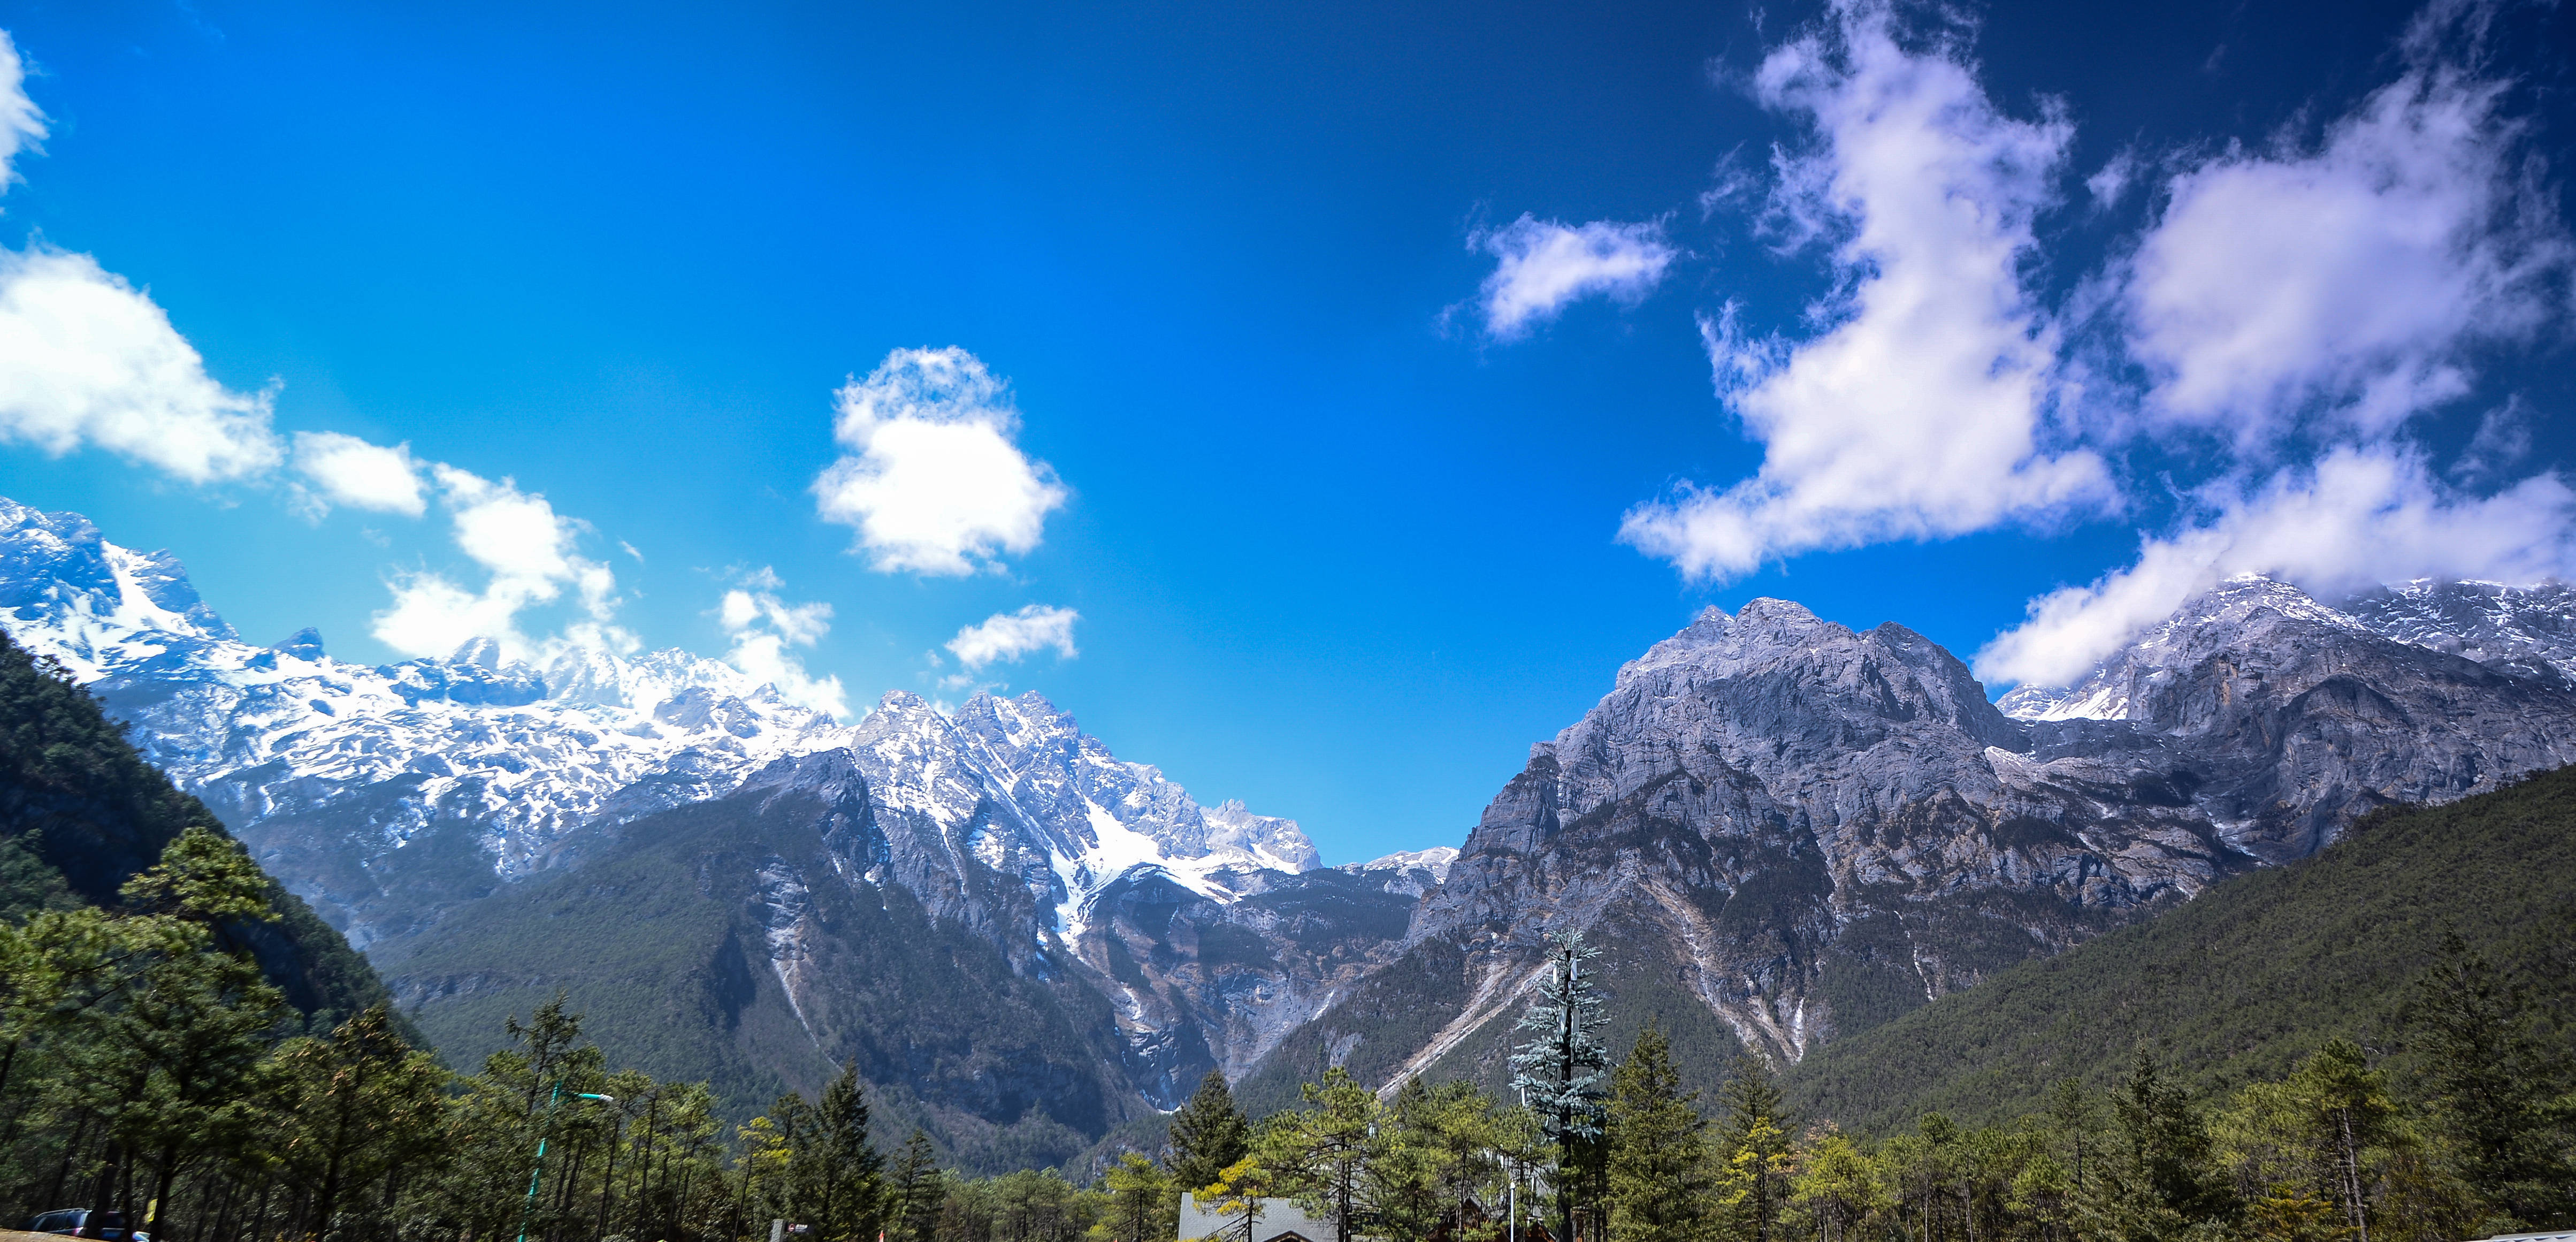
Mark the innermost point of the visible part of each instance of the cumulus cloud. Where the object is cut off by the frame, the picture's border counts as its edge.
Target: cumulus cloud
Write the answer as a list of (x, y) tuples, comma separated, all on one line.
[(1925, 410), (763, 628), (933, 479), (88, 360), (345, 470), (2358, 517), (2277, 339), (1543, 266), (531, 556), (2342, 284), (1005, 637), (2308, 309), (22, 125)]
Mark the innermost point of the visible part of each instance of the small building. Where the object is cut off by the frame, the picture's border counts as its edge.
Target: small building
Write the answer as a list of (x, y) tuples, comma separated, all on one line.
[(1279, 1220)]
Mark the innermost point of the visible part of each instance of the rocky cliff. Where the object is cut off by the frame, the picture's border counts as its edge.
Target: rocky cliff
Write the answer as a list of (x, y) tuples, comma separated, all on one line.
[(1788, 831)]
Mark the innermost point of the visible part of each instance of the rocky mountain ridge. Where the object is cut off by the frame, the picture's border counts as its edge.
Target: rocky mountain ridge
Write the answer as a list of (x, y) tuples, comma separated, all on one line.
[(1791, 831)]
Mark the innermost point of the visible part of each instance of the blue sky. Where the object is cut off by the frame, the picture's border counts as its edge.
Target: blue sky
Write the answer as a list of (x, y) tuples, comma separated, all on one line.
[(1349, 390)]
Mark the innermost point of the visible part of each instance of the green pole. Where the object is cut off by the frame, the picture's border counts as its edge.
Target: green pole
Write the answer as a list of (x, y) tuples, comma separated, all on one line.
[(540, 1169)]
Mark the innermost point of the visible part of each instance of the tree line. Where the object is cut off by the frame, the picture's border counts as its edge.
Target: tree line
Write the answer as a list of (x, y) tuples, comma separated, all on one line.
[(146, 1067), (2473, 1135)]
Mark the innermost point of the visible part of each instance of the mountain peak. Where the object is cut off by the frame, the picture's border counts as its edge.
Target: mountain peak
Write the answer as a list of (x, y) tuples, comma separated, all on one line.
[(304, 644)]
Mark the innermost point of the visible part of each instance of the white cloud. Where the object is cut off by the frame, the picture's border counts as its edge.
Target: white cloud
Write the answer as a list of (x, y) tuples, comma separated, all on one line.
[(2341, 284), (2310, 309), (763, 627), (531, 554), (22, 126), (1925, 410), (1545, 265), (346, 470), (933, 480), (2360, 516), (1006, 636), (87, 359)]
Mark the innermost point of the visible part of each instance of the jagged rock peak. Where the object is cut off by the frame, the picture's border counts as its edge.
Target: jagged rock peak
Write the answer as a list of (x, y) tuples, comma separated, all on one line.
[(1276, 842), (303, 644)]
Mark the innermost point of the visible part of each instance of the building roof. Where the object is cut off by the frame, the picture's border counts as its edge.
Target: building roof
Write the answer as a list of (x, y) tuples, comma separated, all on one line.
[(1278, 1221)]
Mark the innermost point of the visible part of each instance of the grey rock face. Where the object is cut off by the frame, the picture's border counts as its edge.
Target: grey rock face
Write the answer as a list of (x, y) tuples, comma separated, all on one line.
[(1806, 830)]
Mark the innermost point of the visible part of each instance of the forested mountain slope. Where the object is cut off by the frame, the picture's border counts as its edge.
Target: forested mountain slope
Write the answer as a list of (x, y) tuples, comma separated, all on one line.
[(2246, 979), (81, 813)]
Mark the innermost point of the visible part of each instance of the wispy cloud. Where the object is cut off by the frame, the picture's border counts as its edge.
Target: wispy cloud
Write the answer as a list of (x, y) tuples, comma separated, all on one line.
[(87, 360), (531, 556), (2306, 311), (22, 124), (764, 628), (1542, 267), (934, 480), (1006, 637), (2338, 289), (345, 470)]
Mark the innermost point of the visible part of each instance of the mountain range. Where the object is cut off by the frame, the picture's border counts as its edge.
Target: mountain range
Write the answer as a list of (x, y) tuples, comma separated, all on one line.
[(418, 805), (1787, 833)]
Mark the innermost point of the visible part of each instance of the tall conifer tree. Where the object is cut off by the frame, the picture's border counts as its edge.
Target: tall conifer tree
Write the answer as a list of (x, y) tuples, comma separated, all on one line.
[(1208, 1134), (1561, 1070), (1658, 1158)]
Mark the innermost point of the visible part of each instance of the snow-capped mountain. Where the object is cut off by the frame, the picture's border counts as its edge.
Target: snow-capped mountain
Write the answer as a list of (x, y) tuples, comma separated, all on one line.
[(258, 732), (533, 753), (2523, 631), (392, 795)]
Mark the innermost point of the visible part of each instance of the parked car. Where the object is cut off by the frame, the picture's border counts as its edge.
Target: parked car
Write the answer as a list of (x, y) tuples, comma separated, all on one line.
[(87, 1223)]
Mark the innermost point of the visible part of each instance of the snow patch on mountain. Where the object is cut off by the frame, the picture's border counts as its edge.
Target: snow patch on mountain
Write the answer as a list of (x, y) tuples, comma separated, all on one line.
[(533, 754), (1435, 860), (2528, 631)]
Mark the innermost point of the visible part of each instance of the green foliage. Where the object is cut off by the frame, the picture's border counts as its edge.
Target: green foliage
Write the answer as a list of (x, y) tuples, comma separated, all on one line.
[(2498, 1085), (1660, 1184), (1140, 1205), (1208, 1134), (2245, 981), (84, 820), (915, 1192), (1320, 1154), (1752, 1147)]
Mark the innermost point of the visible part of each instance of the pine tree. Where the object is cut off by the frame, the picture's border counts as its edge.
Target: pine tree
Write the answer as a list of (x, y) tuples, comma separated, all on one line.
[(836, 1170), (2493, 1082), (2348, 1110), (362, 1103), (1208, 1134), (1238, 1191), (1561, 1070), (1137, 1192), (1658, 1157), (915, 1191), (1320, 1154), (2158, 1181), (1753, 1150)]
